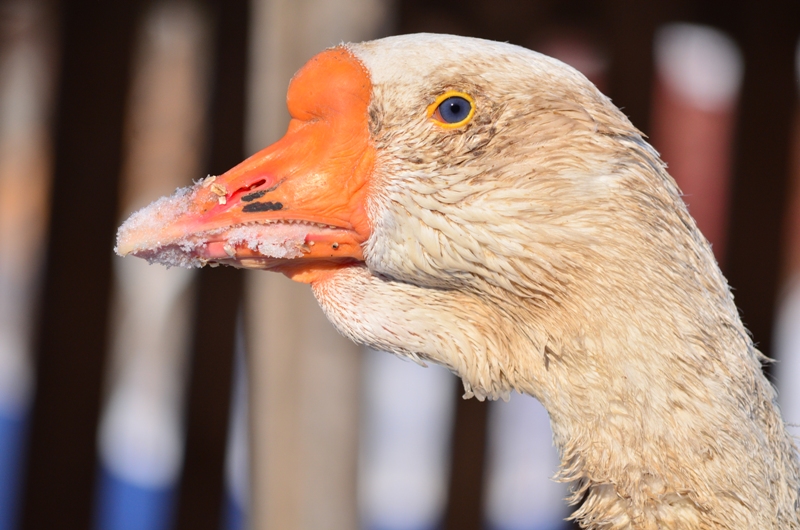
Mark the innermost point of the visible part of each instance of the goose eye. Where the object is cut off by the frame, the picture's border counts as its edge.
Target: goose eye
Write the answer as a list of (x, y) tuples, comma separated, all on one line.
[(452, 109)]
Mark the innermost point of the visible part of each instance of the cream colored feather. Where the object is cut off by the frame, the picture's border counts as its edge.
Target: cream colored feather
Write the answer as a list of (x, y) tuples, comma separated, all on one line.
[(545, 249)]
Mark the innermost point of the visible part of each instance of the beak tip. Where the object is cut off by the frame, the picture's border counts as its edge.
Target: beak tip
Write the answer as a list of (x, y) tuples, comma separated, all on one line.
[(131, 239), (148, 228), (123, 247)]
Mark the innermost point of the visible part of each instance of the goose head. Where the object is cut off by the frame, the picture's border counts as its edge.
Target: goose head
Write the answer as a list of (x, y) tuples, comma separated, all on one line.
[(485, 207)]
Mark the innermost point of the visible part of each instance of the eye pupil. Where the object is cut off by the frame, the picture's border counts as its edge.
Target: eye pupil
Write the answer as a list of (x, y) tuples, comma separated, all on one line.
[(454, 109)]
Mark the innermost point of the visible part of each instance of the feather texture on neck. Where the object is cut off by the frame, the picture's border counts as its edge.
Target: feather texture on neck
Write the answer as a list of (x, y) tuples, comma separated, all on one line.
[(546, 250)]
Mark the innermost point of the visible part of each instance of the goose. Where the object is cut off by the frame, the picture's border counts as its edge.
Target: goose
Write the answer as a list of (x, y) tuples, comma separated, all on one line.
[(484, 207)]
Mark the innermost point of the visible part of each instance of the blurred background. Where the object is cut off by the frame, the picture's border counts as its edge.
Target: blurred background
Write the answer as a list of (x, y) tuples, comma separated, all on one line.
[(136, 397)]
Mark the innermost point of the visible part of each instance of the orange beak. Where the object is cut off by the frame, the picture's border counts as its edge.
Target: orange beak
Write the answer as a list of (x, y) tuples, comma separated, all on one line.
[(298, 206)]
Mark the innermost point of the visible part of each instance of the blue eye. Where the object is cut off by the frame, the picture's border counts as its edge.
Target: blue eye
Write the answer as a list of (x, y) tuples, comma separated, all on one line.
[(454, 109)]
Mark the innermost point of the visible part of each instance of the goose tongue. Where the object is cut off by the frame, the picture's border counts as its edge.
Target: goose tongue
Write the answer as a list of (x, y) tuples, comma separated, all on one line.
[(299, 204)]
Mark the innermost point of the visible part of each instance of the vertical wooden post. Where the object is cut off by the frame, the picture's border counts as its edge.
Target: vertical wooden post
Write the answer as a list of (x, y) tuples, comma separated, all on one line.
[(465, 504), (630, 27), (304, 376), (202, 484), (769, 33), (95, 45)]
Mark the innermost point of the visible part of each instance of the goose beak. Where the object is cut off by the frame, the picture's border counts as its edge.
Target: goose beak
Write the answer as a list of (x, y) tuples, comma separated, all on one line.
[(298, 206)]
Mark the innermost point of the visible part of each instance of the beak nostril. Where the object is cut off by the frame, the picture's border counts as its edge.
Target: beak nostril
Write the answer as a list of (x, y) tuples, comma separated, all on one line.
[(256, 185), (248, 188)]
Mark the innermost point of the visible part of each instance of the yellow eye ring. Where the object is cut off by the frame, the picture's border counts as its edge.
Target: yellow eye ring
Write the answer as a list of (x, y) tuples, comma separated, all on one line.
[(451, 99)]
